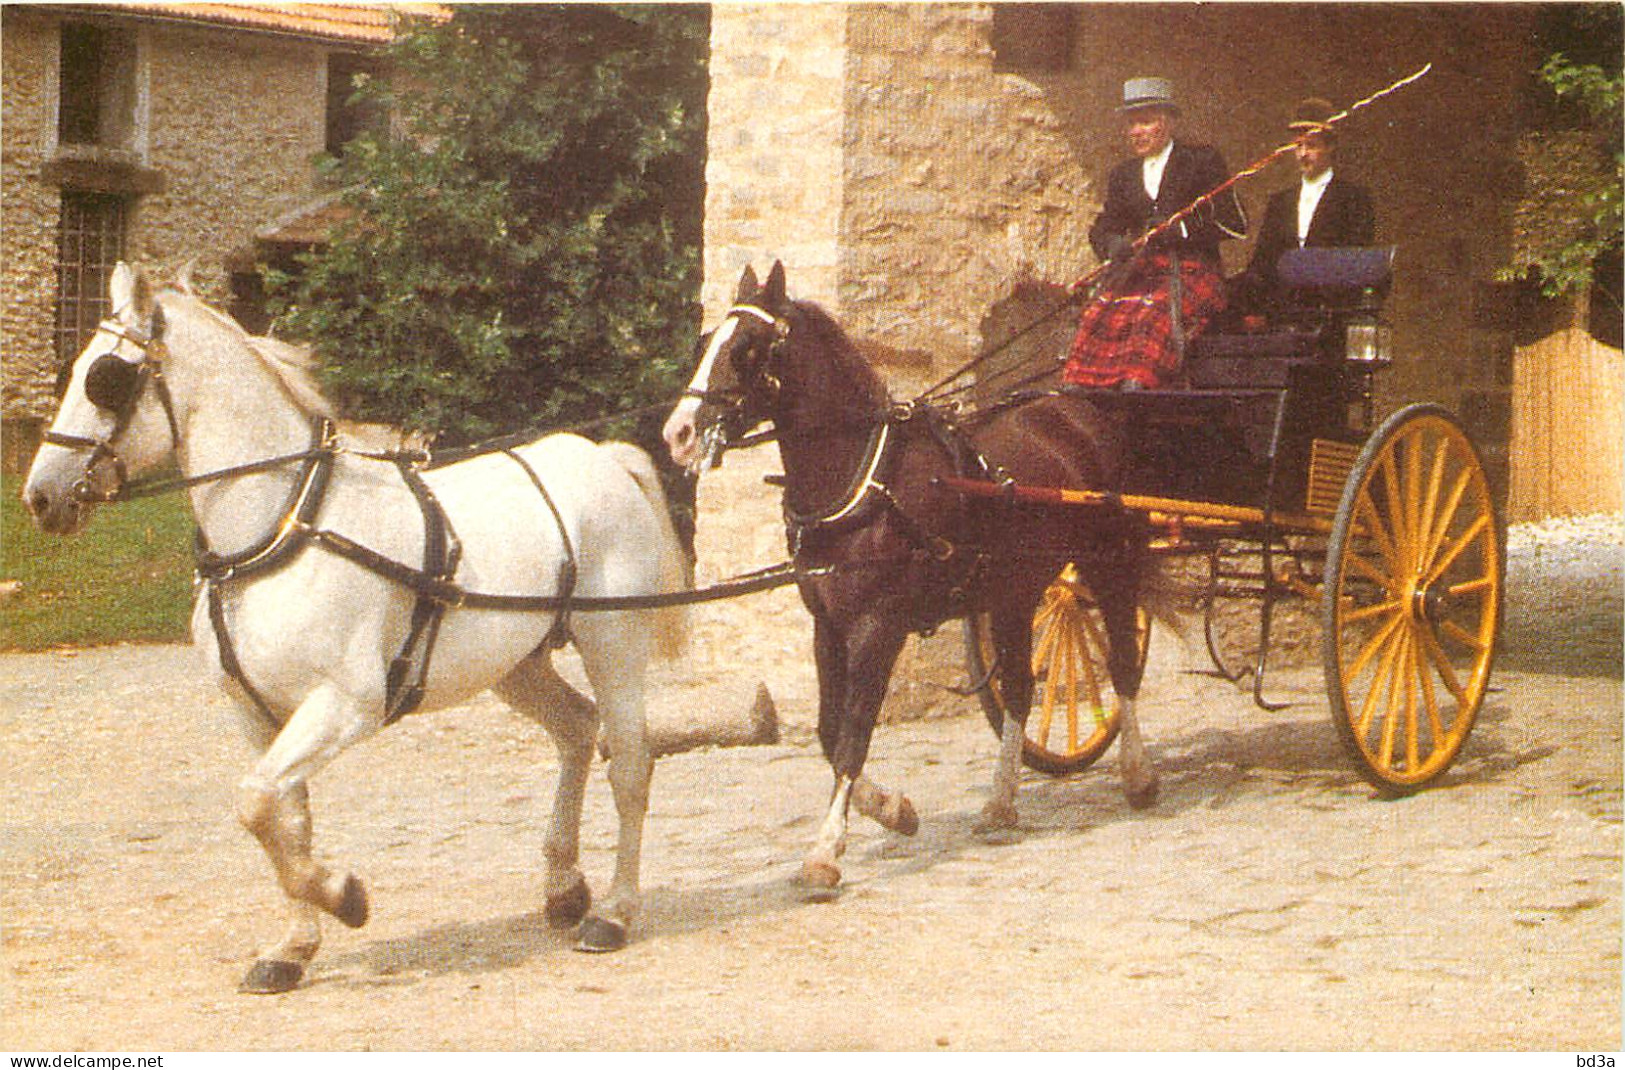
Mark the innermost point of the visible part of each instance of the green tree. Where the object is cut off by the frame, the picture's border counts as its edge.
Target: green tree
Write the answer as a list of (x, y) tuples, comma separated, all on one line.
[(1570, 232), (523, 249)]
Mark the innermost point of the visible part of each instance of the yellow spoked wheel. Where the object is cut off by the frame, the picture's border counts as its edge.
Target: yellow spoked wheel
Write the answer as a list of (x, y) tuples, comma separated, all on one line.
[(1074, 711), (1413, 577)]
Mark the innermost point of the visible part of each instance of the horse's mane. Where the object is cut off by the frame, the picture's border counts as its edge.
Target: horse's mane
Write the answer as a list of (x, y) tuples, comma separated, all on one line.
[(854, 366), (295, 366)]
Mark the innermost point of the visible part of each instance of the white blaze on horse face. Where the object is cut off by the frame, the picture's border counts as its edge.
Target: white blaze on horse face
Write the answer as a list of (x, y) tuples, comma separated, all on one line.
[(681, 433)]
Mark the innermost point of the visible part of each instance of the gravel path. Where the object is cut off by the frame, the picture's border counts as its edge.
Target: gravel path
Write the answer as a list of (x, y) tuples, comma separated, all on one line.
[(1565, 595), (1268, 901)]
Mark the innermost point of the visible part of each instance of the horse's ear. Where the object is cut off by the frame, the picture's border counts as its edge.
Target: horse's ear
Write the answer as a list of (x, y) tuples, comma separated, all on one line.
[(775, 289), (131, 295), (747, 286)]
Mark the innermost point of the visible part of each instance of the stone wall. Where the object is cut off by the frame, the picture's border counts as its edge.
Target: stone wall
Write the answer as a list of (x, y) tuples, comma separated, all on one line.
[(232, 122), (28, 217), (236, 122), (774, 166), (960, 183)]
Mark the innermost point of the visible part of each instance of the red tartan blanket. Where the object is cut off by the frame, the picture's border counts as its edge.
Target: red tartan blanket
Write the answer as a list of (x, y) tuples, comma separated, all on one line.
[(1127, 333)]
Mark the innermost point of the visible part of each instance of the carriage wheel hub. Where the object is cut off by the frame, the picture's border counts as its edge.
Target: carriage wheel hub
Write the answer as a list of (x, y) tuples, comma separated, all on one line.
[(1430, 603)]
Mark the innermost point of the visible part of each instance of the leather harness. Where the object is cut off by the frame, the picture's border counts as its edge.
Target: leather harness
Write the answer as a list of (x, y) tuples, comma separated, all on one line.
[(432, 582)]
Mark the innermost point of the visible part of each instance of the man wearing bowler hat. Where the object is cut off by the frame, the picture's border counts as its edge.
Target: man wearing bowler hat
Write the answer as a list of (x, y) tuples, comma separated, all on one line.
[(1154, 298), (1322, 209)]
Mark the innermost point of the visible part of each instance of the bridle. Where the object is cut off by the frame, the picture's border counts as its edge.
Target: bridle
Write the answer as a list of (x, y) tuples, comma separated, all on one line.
[(758, 378), (759, 381), (115, 385)]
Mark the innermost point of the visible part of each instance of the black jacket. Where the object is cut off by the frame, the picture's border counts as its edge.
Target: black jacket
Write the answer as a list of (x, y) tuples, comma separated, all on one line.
[(1192, 170), (1343, 217)]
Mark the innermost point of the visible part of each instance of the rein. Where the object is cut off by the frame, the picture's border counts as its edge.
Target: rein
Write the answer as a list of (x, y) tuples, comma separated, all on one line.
[(297, 527), (433, 584), (116, 385), (151, 488)]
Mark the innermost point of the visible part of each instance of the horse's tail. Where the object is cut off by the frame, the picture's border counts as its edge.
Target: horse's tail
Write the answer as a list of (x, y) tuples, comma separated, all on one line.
[(1169, 596), (675, 571)]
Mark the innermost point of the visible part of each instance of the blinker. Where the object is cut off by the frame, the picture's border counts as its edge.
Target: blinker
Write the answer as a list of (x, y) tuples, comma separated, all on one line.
[(111, 382)]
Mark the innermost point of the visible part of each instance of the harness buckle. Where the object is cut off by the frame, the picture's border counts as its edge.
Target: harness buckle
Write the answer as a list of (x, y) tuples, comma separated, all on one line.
[(449, 595)]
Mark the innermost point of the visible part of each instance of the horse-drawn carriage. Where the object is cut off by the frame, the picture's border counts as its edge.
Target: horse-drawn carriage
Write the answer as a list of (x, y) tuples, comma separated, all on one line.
[(1038, 518), (1268, 468)]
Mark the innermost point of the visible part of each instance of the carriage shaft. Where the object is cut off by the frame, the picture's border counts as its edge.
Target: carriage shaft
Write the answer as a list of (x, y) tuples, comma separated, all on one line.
[(1162, 511)]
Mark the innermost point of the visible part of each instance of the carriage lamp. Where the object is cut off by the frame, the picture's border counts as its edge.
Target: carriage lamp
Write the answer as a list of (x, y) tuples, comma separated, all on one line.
[(1367, 340)]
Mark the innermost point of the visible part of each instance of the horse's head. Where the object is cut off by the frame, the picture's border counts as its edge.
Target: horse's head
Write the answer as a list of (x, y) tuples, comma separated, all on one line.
[(738, 380), (114, 418)]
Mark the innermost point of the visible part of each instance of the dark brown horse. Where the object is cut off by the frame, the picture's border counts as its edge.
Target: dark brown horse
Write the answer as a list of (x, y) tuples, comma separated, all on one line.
[(883, 549)]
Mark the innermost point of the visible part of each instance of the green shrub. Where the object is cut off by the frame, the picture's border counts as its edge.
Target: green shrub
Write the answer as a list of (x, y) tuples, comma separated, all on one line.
[(524, 249)]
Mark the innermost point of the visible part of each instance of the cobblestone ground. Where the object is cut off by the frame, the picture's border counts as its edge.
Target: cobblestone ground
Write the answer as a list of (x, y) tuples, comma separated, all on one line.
[(1270, 900)]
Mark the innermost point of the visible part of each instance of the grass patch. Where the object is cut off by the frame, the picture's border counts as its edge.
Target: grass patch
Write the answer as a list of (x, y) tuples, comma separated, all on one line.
[(126, 577)]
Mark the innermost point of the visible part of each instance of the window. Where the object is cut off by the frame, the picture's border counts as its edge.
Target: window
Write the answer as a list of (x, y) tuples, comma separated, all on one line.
[(90, 242), (97, 86), (346, 118), (1033, 38)]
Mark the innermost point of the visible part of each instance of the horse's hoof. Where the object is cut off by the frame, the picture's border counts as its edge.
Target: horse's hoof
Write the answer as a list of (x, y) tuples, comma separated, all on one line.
[(267, 977), (569, 906), (1143, 796), (820, 882), (598, 935), (352, 909), (901, 819), (999, 825), (889, 810)]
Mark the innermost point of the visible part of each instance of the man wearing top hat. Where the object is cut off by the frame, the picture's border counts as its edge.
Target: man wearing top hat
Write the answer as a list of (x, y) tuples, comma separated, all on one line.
[(1153, 299), (1322, 209)]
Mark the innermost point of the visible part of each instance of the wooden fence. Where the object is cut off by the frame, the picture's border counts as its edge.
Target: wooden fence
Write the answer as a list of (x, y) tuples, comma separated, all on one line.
[(1568, 423)]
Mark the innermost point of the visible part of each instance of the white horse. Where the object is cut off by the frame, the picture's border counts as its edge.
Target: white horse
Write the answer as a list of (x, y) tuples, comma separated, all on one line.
[(304, 635)]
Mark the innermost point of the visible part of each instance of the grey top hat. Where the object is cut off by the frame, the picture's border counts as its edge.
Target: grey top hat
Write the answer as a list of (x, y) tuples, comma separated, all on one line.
[(1148, 93)]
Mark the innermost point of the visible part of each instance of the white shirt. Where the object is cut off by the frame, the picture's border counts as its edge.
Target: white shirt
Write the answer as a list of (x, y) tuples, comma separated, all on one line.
[(1151, 169), (1309, 195)]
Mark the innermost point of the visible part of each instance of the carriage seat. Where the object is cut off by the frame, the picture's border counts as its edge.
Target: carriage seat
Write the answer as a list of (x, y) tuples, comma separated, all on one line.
[(1250, 360), (1338, 273), (1323, 287)]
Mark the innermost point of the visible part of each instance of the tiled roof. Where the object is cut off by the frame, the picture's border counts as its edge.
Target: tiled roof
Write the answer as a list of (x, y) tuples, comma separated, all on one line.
[(308, 224), (357, 23)]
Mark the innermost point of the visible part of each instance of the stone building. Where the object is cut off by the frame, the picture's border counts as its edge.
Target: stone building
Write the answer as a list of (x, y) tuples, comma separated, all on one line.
[(157, 133), (928, 171)]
